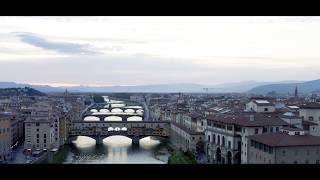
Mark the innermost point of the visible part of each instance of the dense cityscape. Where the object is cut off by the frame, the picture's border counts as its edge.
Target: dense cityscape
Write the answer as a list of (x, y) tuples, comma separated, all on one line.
[(203, 128), (159, 90)]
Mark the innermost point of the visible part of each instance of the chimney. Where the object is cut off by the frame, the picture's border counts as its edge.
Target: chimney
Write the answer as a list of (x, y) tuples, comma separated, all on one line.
[(251, 117)]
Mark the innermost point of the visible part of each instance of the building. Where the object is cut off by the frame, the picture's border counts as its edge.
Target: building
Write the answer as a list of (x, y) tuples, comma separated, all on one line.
[(260, 105), (226, 135), (186, 139), (310, 112), (287, 147), (5, 138), (42, 128)]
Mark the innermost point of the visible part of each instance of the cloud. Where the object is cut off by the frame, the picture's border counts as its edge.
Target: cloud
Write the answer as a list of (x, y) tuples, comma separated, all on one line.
[(62, 47)]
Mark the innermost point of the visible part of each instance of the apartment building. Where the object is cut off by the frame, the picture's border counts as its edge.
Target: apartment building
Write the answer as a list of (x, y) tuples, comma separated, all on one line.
[(5, 138), (226, 135), (290, 146)]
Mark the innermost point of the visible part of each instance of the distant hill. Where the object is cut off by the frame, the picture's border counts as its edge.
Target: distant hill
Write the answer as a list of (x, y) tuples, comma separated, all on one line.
[(238, 87), (26, 91), (285, 88), (42, 88)]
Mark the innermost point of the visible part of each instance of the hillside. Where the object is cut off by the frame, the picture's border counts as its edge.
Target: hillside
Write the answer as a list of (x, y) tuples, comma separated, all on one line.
[(285, 88), (26, 91)]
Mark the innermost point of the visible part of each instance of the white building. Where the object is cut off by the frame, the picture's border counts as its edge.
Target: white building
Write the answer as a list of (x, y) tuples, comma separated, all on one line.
[(260, 106), (311, 113)]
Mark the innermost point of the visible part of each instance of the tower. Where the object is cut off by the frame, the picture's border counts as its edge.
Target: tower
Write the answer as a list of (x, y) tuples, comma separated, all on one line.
[(296, 92), (66, 95)]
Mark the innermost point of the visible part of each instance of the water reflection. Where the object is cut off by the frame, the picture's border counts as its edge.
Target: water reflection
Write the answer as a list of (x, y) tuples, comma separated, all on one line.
[(115, 149)]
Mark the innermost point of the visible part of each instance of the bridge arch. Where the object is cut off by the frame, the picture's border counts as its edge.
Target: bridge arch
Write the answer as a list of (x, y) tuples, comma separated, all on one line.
[(129, 111), (124, 129), (104, 110), (139, 111), (91, 118), (113, 118), (134, 118), (117, 110), (110, 128), (117, 105), (93, 110)]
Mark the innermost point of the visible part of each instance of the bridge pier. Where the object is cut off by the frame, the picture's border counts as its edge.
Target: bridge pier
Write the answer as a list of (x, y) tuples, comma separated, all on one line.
[(135, 141), (99, 140), (70, 139)]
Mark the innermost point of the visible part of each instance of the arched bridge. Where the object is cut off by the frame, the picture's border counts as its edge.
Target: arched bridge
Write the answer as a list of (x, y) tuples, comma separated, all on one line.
[(103, 115), (134, 130)]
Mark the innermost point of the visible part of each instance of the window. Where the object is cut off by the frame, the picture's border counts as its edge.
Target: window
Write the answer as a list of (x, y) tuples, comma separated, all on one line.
[(270, 150), (214, 138), (44, 135), (277, 129), (38, 141), (264, 130), (37, 129), (223, 141), (265, 109), (295, 162), (193, 138), (310, 118), (37, 135), (44, 141), (283, 152), (37, 124), (271, 129), (208, 138), (229, 144), (256, 130), (302, 117)]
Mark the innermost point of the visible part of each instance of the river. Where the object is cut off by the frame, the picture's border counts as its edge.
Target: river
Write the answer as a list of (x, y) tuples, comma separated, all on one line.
[(114, 150)]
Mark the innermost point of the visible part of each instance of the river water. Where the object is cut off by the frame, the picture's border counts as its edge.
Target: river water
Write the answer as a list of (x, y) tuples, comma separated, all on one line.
[(114, 150)]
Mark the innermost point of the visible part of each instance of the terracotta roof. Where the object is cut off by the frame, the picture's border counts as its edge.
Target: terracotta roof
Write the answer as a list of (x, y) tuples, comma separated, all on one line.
[(242, 120), (189, 131), (282, 139)]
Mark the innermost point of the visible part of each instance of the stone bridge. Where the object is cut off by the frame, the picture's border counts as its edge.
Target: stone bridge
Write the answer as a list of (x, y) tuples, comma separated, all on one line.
[(135, 130), (102, 116)]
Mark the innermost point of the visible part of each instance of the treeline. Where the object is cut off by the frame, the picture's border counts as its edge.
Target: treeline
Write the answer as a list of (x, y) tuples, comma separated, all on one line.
[(98, 99)]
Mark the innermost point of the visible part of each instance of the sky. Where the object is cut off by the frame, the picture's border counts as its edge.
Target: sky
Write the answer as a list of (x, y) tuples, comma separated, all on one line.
[(107, 51)]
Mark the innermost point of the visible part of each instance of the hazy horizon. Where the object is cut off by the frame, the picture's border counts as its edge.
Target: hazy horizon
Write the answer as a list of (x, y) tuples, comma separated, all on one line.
[(128, 51)]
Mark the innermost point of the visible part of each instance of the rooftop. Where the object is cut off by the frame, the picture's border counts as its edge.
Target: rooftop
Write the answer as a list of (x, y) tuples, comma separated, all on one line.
[(310, 106), (282, 139), (243, 120)]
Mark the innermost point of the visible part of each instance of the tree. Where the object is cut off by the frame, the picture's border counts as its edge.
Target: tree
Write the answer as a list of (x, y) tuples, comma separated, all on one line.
[(98, 99)]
